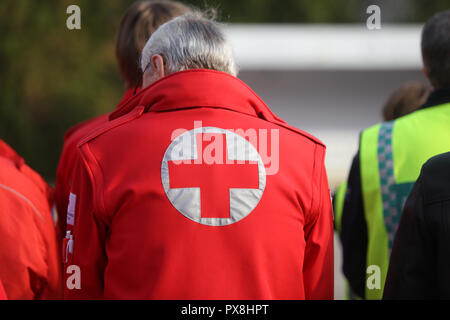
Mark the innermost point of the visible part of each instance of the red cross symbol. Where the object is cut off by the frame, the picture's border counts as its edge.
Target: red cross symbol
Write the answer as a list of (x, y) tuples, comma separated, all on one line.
[(214, 180)]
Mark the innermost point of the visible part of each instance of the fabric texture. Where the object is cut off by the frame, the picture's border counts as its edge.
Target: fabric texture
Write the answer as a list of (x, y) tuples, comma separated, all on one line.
[(30, 265)]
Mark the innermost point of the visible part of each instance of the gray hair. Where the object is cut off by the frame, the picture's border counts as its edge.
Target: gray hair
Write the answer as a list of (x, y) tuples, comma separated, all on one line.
[(189, 42)]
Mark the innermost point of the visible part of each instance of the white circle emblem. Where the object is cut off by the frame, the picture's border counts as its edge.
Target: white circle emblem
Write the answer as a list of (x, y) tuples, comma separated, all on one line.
[(213, 176)]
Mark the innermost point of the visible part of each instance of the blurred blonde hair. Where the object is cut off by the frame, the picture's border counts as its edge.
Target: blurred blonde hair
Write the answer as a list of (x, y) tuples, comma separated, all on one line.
[(406, 99), (138, 23)]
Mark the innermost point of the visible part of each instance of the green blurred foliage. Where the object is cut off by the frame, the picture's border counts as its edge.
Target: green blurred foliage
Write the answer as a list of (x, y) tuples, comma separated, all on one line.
[(52, 78)]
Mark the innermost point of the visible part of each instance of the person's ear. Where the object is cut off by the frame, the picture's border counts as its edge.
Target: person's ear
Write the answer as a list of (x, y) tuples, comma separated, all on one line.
[(158, 66)]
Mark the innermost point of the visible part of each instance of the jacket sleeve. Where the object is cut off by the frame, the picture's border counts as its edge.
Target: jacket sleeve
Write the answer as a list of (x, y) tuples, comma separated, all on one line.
[(354, 232), (85, 266), (21, 249), (62, 190), (63, 183), (318, 269), (29, 267)]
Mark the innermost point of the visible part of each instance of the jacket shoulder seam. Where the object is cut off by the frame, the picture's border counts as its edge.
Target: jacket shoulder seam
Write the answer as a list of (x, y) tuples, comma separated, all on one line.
[(136, 113)]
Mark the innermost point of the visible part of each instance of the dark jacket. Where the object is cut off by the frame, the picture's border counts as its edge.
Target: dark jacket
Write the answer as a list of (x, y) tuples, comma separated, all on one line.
[(420, 259)]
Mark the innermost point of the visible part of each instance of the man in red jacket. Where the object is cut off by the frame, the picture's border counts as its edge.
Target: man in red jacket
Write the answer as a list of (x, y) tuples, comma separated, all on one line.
[(140, 20), (196, 190), (29, 256)]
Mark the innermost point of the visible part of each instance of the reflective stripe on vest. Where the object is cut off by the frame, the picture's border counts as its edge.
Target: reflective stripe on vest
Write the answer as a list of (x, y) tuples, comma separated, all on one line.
[(391, 156)]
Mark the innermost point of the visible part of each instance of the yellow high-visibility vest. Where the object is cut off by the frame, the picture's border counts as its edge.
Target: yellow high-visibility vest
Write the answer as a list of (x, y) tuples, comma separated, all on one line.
[(391, 156)]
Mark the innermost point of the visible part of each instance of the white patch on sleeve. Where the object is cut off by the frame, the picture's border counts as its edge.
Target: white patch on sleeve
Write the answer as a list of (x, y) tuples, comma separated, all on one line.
[(71, 209)]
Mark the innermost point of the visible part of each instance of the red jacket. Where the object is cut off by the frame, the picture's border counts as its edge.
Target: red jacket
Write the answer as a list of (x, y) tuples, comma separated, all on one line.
[(151, 224), (29, 256), (68, 159)]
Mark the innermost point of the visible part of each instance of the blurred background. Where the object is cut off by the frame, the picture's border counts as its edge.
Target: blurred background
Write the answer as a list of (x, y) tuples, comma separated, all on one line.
[(314, 62)]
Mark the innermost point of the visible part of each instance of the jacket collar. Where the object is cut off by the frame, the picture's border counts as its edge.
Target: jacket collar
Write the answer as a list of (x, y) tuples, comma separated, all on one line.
[(198, 88), (437, 97)]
